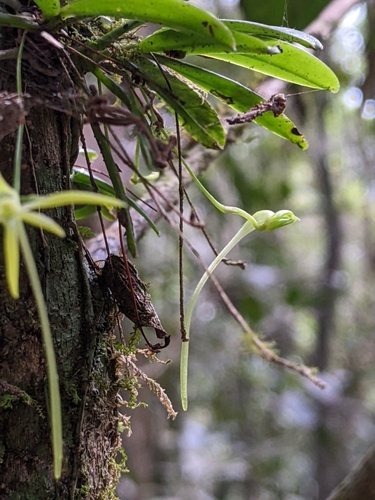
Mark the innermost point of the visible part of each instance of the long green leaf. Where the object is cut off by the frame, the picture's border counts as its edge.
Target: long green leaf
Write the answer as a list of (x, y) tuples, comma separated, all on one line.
[(88, 210), (118, 186), (53, 378), (280, 59), (175, 14), (81, 178), (278, 32), (294, 65), (237, 96), (22, 22), (199, 118), (166, 40)]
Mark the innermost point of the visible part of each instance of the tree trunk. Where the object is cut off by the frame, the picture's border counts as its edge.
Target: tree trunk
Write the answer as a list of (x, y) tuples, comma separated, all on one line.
[(360, 482), (81, 322)]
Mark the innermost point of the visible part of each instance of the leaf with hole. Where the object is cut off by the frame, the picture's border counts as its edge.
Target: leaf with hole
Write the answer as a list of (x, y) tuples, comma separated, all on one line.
[(293, 65), (50, 8), (236, 96), (270, 56)]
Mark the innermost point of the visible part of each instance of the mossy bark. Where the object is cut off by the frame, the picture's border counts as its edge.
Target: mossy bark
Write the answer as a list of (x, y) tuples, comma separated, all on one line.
[(81, 323)]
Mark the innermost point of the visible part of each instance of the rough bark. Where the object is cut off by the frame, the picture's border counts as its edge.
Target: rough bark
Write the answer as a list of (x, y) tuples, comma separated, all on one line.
[(81, 322)]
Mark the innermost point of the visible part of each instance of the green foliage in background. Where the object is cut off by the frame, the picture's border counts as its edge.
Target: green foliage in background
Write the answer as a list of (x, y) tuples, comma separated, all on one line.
[(294, 13)]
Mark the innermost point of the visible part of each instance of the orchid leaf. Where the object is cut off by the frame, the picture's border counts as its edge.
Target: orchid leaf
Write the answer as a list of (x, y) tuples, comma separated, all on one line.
[(237, 96), (21, 22), (293, 64), (88, 210), (279, 59), (50, 8), (176, 14), (81, 179), (280, 33), (199, 118), (166, 40), (84, 211)]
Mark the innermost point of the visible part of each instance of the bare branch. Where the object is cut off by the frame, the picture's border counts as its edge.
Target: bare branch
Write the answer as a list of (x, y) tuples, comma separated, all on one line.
[(329, 18), (276, 103), (322, 27)]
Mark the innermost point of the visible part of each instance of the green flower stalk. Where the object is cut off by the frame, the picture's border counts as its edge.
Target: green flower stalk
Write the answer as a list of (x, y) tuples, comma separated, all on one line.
[(265, 220)]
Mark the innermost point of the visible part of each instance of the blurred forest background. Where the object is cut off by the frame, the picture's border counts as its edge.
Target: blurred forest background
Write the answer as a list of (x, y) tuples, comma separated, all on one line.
[(253, 430)]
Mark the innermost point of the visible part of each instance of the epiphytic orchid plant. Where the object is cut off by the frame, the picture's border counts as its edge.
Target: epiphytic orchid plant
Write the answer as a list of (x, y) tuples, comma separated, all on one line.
[(157, 64)]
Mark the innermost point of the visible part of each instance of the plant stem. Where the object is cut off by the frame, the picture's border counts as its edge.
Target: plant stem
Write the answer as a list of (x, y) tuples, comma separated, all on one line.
[(53, 379), (118, 185), (247, 228), (21, 22), (223, 208), (18, 150)]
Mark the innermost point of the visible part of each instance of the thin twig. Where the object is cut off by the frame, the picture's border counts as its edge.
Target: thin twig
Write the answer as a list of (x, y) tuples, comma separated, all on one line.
[(322, 27), (276, 104)]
